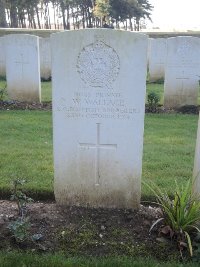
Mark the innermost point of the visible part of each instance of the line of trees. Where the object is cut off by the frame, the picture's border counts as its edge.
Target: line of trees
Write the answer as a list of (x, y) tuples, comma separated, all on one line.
[(74, 14)]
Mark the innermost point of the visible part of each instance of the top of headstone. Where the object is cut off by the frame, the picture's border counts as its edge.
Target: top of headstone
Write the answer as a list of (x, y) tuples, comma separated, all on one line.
[(104, 30)]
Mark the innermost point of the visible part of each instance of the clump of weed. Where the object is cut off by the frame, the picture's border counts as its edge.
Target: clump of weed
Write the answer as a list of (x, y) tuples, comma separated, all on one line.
[(19, 196), (20, 228), (3, 93), (153, 101)]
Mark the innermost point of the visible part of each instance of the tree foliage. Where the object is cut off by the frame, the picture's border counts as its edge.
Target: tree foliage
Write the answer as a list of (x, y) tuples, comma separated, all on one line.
[(74, 14)]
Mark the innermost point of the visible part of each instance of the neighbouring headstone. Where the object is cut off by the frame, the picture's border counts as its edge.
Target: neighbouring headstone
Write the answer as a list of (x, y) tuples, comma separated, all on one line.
[(22, 67), (99, 84), (45, 58), (2, 58), (196, 170), (182, 72), (148, 51), (157, 58)]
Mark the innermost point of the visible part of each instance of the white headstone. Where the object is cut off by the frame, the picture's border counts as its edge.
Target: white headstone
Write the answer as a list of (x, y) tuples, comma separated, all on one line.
[(196, 170), (45, 58), (148, 51), (22, 67), (182, 72), (2, 58), (157, 58), (99, 84)]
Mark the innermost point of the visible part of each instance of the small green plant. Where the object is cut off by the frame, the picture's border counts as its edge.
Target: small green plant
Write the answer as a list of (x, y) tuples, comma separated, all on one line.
[(19, 196), (20, 227), (153, 101), (181, 215), (2, 93)]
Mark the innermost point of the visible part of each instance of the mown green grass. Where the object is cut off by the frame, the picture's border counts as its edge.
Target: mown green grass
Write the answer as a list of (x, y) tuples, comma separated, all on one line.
[(26, 150), (15, 259), (2, 82), (26, 142), (45, 90), (169, 147), (158, 88)]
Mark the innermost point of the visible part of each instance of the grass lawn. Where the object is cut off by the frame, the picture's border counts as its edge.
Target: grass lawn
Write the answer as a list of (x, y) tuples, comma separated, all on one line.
[(45, 90), (169, 147), (48, 260), (26, 150), (26, 142)]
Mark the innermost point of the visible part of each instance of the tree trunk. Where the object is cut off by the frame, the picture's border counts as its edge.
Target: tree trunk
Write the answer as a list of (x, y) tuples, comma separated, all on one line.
[(3, 22), (68, 23), (89, 21), (131, 24), (13, 15), (21, 20), (73, 18), (8, 16), (34, 23), (137, 24), (46, 21), (29, 19), (49, 19), (63, 14), (54, 15), (38, 17), (83, 17)]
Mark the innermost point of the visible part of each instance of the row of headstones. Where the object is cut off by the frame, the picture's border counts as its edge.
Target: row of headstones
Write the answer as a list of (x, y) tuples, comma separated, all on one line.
[(44, 56), (98, 98), (29, 58), (98, 109), (177, 61), (98, 117), (24, 60)]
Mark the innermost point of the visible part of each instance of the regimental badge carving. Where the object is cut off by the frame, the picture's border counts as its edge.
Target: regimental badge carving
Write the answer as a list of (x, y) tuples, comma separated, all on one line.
[(98, 64)]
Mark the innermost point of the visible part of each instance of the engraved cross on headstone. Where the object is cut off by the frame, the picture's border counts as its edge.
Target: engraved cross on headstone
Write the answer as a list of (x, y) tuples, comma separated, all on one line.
[(97, 146), (22, 62)]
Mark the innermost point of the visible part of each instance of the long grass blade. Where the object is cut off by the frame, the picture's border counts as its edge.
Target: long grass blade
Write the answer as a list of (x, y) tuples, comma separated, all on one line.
[(189, 243), (154, 224)]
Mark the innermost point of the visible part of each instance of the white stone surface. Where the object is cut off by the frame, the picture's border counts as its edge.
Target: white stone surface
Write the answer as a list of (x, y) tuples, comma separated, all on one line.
[(45, 58), (148, 52), (182, 72), (157, 58), (22, 67), (196, 170), (2, 58), (99, 84)]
